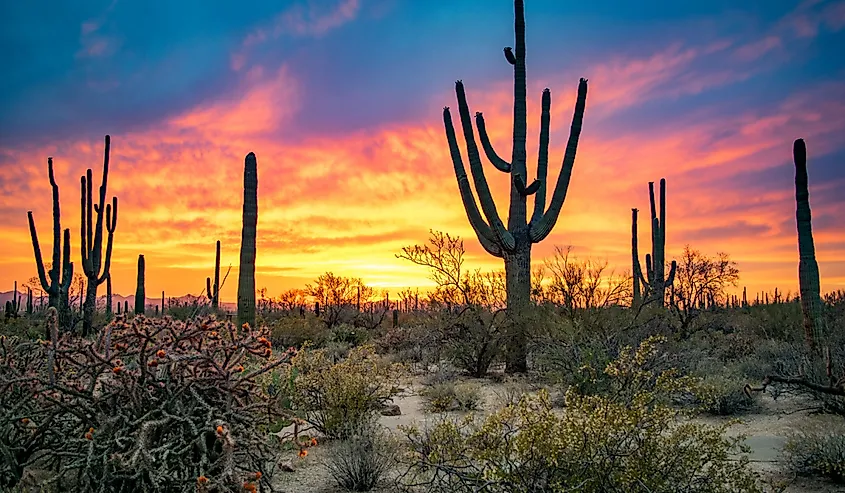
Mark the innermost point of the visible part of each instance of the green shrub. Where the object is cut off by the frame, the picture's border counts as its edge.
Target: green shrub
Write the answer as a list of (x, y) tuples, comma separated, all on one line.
[(364, 458), (451, 396), (628, 441), (333, 396), (724, 395), (818, 450), (295, 331)]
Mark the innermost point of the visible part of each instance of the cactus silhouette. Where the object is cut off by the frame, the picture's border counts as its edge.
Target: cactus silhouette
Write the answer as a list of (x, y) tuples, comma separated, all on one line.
[(246, 271), (140, 291), (94, 264), (655, 282), (808, 268), (513, 244), (57, 285), (213, 290)]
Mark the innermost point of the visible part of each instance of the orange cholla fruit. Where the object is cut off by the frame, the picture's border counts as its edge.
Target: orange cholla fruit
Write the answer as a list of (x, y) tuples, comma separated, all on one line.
[(241, 368), (152, 362), (219, 430), (268, 352), (245, 326), (265, 342), (117, 369), (25, 421), (202, 479), (249, 486), (303, 453), (160, 353), (313, 442), (90, 434)]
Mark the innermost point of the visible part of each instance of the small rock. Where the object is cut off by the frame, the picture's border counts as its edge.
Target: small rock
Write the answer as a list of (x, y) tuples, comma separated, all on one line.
[(287, 466), (391, 410)]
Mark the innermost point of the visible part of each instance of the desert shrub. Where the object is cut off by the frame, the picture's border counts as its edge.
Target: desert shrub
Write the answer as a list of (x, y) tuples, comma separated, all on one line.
[(628, 441), (364, 458), (152, 405), (818, 450), (416, 344), (512, 391), (451, 396), (294, 331), (473, 339), (723, 395), (348, 334), (444, 373), (25, 327), (332, 396)]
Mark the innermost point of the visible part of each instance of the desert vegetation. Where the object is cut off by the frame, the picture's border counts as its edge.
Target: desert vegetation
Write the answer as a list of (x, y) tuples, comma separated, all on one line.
[(561, 375)]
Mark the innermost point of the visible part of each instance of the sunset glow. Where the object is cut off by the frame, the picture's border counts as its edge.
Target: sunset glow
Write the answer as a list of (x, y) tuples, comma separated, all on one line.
[(341, 102)]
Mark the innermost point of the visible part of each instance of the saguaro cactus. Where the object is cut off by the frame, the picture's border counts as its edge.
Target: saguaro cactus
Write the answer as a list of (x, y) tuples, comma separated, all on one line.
[(140, 292), (513, 244), (246, 272), (213, 290), (109, 295), (57, 286), (95, 267), (29, 301), (808, 268), (655, 282)]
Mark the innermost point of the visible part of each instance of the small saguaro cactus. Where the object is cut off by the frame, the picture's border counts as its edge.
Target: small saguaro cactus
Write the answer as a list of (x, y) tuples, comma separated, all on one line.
[(95, 264), (213, 290), (246, 271), (655, 282), (56, 283), (808, 268), (513, 243), (109, 296), (140, 292)]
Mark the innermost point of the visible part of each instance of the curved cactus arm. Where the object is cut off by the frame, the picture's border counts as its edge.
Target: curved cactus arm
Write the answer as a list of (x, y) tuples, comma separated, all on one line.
[(39, 262), (482, 230), (649, 267), (488, 206), (672, 269), (509, 55), (86, 229), (543, 158), (494, 158), (111, 226), (523, 190), (541, 228), (67, 265)]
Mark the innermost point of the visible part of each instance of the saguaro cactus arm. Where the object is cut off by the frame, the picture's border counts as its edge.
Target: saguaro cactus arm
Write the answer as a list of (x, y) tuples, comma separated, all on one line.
[(494, 158), (543, 157), (543, 226), (482, 230), (485, 198), (39, 263)]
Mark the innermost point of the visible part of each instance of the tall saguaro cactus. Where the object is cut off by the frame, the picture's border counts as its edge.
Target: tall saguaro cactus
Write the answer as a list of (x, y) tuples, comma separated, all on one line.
[(513, 244), (213, 290), (140, 290), (94, 265), (246, 271), (655, 282), (57, 285), (808, 268)]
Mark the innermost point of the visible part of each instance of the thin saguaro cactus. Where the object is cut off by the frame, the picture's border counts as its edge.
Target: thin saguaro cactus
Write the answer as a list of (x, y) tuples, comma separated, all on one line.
[(513, 243), (56, 283), (94, 264), (140, 288), (246, 271), (213, 290), (808, 268)]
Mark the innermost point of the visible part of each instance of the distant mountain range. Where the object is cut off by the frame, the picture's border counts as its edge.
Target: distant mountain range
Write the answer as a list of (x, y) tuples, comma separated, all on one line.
[(150, 303)]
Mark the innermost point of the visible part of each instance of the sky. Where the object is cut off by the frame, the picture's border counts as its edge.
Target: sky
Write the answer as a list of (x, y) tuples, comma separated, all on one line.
[(341, 101)]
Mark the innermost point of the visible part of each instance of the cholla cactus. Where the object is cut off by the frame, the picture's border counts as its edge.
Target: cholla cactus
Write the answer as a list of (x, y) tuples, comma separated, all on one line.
[(152, 403)]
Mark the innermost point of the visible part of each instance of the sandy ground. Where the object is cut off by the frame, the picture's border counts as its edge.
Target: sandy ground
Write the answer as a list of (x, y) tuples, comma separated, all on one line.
[(767, 429)]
